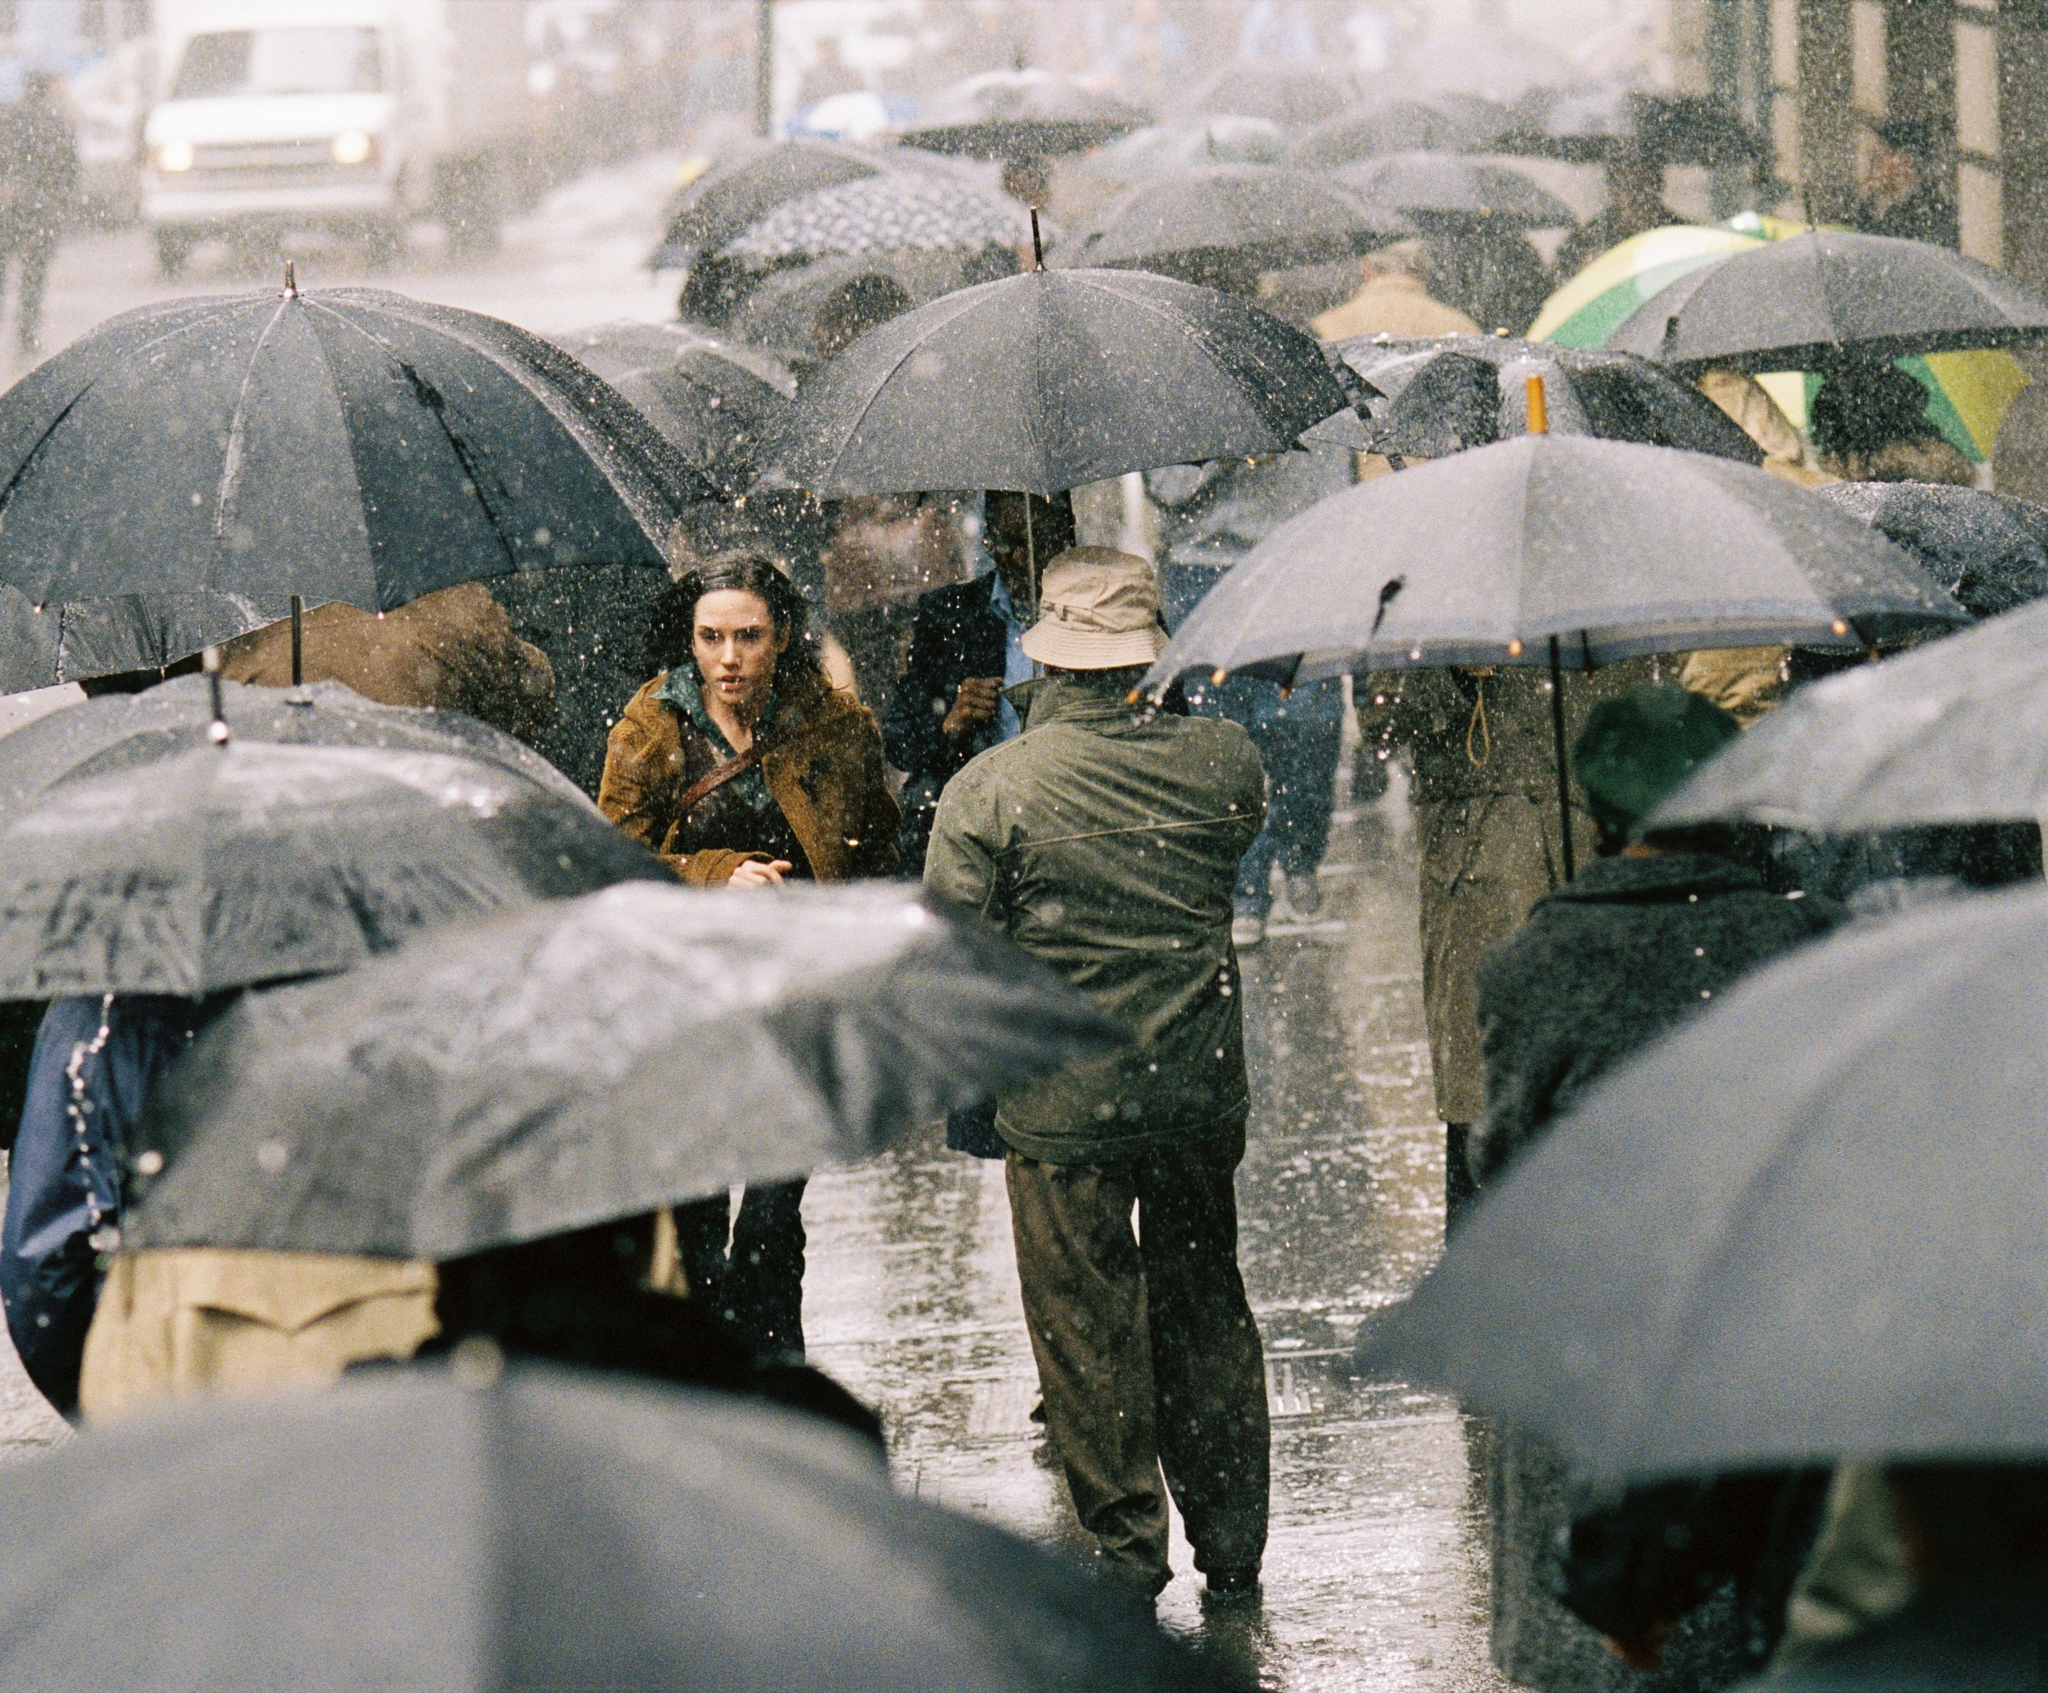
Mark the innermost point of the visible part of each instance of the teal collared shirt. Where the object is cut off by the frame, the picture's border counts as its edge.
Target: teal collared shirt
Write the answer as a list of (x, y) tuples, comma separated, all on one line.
[(679, 689)]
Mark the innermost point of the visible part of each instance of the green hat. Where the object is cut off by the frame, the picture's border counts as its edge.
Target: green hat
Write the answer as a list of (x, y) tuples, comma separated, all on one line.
[(1639, 748)]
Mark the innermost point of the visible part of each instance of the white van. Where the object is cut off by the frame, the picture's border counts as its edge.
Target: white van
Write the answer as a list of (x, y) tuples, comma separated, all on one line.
[(348, 115)]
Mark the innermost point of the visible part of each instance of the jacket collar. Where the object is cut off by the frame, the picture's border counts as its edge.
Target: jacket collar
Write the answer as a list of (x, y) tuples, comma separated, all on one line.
[(793, 701), (1620, 880), (1076, 697)]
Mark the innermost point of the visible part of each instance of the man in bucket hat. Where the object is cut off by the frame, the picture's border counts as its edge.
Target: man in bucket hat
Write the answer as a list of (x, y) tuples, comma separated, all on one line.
[(1105, 839)]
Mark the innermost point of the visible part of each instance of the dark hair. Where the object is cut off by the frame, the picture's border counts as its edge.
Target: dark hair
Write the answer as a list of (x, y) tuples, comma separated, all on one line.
[(672, 618), (1865, 407), (855, 307), (1052, 520)]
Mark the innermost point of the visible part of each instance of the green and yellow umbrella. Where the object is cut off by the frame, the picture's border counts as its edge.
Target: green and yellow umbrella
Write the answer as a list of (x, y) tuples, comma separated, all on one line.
[(1968, 393)]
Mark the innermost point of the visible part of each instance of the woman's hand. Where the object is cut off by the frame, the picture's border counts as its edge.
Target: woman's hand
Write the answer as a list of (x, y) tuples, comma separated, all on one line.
[(752, 873)]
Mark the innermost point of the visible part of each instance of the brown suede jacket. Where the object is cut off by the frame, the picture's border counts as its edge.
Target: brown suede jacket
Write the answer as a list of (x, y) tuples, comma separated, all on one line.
[(821, 758)]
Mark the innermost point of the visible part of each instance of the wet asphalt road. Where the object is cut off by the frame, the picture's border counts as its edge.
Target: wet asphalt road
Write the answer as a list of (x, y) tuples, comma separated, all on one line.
[(1375, 1576)]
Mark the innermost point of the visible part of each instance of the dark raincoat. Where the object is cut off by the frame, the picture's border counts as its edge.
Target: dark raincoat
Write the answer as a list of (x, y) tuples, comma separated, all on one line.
[(95, 1062)]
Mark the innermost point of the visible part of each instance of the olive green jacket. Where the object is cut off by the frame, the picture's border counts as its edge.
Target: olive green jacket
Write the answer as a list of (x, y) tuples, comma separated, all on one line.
[(1105, 841)]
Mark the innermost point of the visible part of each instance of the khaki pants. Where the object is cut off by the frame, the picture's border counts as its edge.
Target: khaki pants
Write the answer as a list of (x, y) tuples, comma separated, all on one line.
[(1147, 1351)]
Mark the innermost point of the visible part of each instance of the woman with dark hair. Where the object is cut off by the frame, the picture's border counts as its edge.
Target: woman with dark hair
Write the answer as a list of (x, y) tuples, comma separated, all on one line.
[(742, 766)]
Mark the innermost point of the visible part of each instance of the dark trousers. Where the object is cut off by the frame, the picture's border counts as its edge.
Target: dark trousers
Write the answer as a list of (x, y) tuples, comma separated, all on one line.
[(755, 1284), (1147, 1352), (33, 253)]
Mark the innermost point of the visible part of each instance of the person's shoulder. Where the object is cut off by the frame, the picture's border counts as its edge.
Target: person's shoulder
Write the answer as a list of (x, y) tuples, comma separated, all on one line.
[(956, 599)]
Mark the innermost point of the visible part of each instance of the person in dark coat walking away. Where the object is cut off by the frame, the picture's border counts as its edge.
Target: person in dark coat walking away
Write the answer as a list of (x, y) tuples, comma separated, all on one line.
[(965, 649), (1105, 841), (741, 765), (1652, 932), (1903, 194), (38, 194)]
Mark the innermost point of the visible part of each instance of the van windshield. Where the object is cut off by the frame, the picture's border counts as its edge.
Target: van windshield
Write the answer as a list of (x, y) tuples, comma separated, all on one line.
[(324, 60)]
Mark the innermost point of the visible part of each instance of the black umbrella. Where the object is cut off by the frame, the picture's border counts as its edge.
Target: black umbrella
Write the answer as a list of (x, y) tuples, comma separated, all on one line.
[(1422, 182), (1805, 1226), (715, 400), (1292, 96), (1989, 550), (1594, 122), (524, 1529), (580, 1061), (175, 477), (1552, 549), (902, 212), (1803, 302), (123, 731), (1051, 379), (1450, 392), (745, 188), (1021, 114), (1445, 123), (781, 312), (1953, 733), (1262, 217), (247, 863)]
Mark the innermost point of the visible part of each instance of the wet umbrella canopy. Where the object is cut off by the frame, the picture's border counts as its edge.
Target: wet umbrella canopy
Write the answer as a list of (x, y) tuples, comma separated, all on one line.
[(121, 731), (1799, 303), (1807, 1225), (1021, 114), (1261, 216), (1418, 182), (716, 401), (531, 1531), (248, 863), (1051, 379), (897, 213), (1615, 549), (743, 189), (578, 1062), (1989, 550), (1449, 123), (173, 478), (1292, 96), (1953, 733), (1599, 121), (1452, 392)]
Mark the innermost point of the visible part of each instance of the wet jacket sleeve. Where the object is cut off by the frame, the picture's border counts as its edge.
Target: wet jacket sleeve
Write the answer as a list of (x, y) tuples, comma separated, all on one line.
[(961, 869), (643, 763)]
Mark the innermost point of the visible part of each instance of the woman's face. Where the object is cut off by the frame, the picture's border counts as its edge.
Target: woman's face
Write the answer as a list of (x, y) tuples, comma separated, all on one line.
[(736, 644)]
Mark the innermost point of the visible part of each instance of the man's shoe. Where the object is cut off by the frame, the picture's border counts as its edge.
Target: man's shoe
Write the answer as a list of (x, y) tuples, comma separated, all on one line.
[(1234, 1584), (1247, 928), (1304, 893)]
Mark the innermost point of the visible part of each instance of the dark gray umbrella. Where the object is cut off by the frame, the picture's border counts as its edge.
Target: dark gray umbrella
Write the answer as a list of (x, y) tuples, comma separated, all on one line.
[(249, 862), (1264, 217), (1422, 182), (1051, 379), (1451, 392), (715, 400), (580, 1061), (901, 212), (1805, 1226), (1989, 550), (1801, 303), (122, 731), (1594, 122), (174, 477), (1292, 96), (741, 190), (1953, 733), (1021, 114), (523, 1529), (1615, 549), (1445, 123)]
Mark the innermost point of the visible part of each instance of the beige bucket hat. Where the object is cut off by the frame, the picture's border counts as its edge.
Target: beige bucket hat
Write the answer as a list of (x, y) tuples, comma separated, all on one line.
[(1098, 609)]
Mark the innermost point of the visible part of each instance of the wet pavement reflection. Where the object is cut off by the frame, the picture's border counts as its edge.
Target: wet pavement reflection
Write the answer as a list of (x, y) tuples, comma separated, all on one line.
[(1375, 1575)]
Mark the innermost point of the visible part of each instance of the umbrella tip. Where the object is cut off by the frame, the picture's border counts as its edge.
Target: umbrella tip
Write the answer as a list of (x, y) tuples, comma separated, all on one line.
[(1037, 245), (291, 280), (1539, 409)]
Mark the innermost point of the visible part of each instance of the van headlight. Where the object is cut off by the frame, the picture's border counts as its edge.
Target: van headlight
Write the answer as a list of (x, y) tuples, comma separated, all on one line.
[(174, 156), (353, 147)]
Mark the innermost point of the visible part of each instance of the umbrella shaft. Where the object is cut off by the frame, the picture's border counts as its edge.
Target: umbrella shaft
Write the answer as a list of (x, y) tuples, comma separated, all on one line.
[(1564, 776), (298, 640)]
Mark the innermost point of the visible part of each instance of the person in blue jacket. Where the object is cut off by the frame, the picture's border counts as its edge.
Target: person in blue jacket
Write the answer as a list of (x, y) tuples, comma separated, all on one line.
[(96, 1058)]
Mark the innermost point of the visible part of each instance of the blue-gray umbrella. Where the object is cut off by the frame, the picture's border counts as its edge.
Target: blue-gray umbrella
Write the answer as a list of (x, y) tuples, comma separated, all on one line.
[(524, 1529), (584, 1060), (1805, 1226), (899, 212)]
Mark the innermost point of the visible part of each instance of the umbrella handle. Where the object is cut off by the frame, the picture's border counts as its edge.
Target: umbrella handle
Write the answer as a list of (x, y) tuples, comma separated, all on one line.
[(298, 640), (217, 728)]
